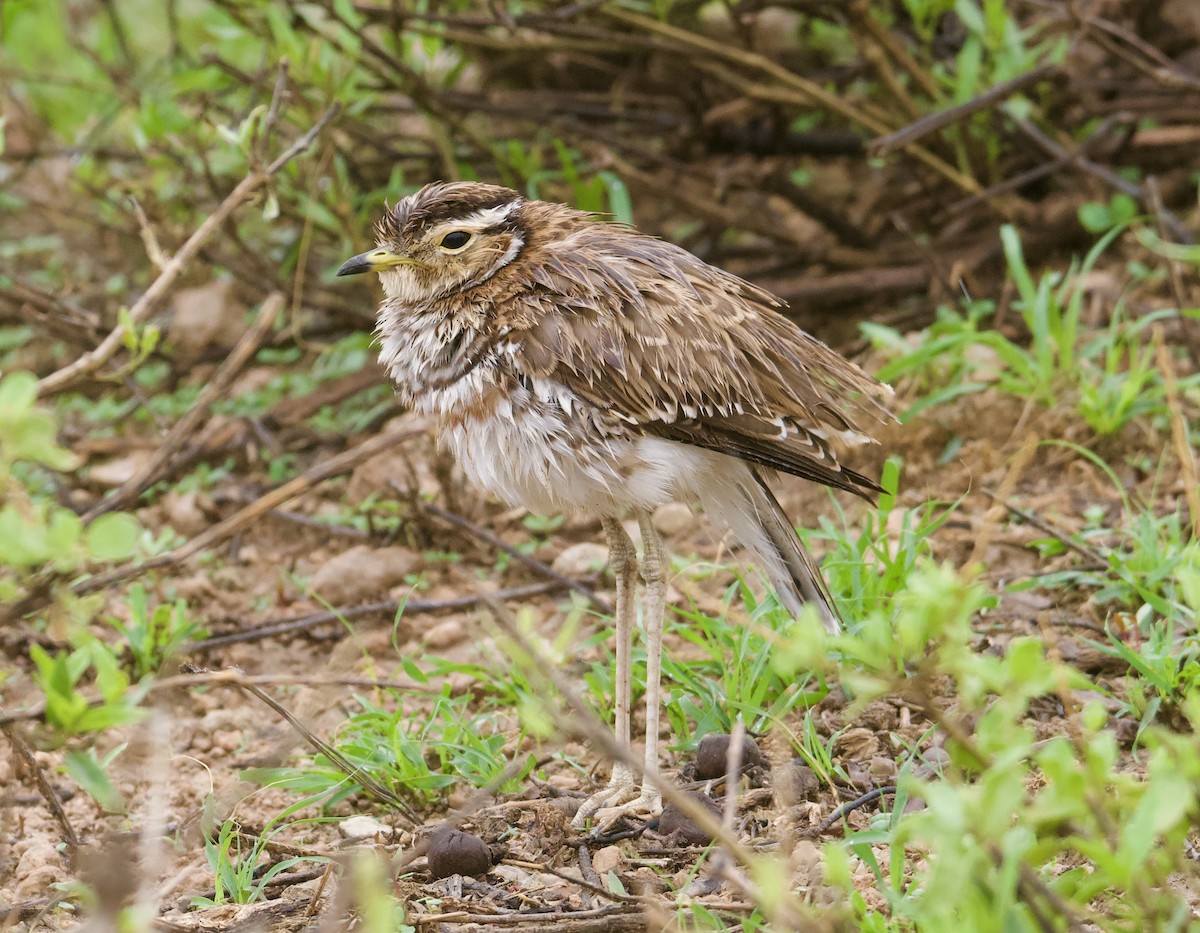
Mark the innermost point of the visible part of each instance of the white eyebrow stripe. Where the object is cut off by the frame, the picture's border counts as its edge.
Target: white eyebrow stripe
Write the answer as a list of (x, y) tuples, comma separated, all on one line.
[(481, 220)]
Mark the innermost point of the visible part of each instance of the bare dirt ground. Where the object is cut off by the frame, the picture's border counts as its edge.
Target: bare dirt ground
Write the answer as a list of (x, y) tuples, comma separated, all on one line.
[(181, 769), (363, 540)]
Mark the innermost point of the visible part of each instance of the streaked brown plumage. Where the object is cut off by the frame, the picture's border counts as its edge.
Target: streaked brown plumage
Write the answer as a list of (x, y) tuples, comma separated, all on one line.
[(573, 364)]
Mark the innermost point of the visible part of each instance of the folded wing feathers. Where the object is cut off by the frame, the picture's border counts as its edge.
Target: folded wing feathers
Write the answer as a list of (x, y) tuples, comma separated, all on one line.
[(696, 355)]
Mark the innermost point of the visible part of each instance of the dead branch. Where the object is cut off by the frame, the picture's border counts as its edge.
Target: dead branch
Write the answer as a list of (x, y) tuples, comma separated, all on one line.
[(186, 426), (165, 282)]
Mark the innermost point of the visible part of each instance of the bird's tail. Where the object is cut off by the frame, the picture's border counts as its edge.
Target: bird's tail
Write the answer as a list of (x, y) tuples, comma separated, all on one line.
[(751, 511)]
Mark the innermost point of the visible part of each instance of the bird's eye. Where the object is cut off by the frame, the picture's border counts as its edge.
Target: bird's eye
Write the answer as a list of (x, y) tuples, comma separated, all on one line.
[(455, 239)]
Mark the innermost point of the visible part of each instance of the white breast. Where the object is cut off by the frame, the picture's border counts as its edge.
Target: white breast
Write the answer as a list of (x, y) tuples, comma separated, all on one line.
[(537, 456), (538, 447)]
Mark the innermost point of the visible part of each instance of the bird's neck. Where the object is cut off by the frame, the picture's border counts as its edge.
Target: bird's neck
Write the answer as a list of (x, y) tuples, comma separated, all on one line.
[(426, 352)]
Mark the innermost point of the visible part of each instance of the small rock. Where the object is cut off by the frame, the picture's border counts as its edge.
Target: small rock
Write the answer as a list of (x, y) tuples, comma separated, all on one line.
[(204, 316), (646, 882), (807, 862), (610, 858), (361, 573), (673, 822), (412, 471), (184, 513), (453, 852), (673, 519), (857, 743), (932, 762), (445, 634), (713, 752), (119, 471), (362, 827), (581, 560), (795, 782), (703, 886), (859, 776)]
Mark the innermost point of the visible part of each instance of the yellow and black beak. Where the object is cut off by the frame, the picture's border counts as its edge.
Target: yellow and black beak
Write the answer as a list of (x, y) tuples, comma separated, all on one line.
[(374, 261)]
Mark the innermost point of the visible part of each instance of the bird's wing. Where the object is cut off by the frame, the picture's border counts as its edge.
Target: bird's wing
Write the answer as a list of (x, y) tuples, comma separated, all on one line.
[(675, 348)]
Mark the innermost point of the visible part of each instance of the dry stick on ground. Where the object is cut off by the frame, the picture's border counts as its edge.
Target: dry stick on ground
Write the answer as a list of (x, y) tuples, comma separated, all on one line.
[(317, 474), (1062, 537), (185, 427), (495, 541), (234, 678), (388, 606), (162, 285), (883, 145), (799, 89), (340, 761), (845, 809), (783, 910), (26, 759), (1179, 431), (1103, 172)]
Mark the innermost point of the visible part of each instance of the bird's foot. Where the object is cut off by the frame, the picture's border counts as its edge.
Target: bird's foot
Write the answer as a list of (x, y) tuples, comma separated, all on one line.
[(617, 801)]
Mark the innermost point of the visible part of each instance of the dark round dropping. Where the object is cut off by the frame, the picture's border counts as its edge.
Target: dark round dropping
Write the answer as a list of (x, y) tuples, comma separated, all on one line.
[(795, 782), (453, 852), (713, 750), (674, 822)]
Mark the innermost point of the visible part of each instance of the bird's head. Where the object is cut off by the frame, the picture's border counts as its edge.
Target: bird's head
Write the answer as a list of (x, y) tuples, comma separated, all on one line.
[(443, 239)]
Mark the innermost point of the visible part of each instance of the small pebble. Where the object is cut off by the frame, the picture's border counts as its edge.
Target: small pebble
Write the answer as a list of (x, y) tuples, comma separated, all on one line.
[(446, 634), (674, 823), (673, 519), (713, 752), (581, 560), (453, 852), (795, 783), (362, 827), (610, 858)]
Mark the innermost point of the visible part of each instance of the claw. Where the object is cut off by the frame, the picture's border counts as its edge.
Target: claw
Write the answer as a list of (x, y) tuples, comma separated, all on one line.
[(616, 801)]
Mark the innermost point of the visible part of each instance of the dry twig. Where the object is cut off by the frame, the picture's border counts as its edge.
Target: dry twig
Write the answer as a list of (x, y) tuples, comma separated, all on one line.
[(186, 427), (165, 282)]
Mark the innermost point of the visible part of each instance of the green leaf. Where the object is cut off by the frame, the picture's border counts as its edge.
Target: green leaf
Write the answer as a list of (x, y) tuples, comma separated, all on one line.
[(32, 436), (113, 536), (89, 774), (18, 392)]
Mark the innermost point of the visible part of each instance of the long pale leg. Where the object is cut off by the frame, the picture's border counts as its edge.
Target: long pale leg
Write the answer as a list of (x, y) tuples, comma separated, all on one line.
[(654, 573), (649, 802), (622, 558)]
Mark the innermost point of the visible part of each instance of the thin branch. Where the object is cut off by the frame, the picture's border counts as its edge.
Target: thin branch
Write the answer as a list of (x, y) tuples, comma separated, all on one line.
[(354, 772), (847, 808), (495, 541), (185, 428), (882, 145), (162, 286), (25, 759), (384, 607)]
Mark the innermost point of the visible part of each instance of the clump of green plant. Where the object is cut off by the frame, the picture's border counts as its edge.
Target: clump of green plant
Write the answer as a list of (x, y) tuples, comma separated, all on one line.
[(867, 561), (414, 745), (241, 863), (1142, 560), (42, 541), (733, 678), (152, 636), (1020, 832), (1110, 376), (43, 545)]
